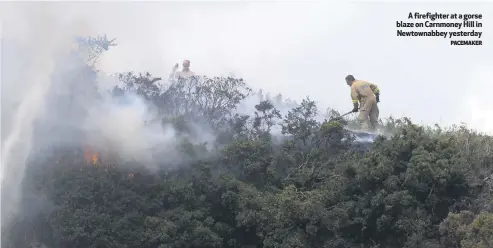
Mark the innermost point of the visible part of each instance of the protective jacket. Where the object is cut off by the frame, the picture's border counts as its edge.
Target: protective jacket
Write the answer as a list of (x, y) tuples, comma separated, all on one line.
[(362, 90), (364, 93)]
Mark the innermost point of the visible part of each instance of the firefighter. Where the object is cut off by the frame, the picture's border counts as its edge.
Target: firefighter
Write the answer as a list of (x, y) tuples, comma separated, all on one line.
[(185, 72), (368, 95)]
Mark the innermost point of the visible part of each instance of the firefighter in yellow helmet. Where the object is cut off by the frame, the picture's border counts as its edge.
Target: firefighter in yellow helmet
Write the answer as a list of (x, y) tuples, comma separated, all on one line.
[(368, 95)]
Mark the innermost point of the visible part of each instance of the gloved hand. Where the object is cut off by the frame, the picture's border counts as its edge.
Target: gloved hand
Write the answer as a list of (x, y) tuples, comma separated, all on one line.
[(378, 97), (355, 108)]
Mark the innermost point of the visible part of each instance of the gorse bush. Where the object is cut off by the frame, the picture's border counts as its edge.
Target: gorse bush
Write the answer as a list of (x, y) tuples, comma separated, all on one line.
[(309, 186)]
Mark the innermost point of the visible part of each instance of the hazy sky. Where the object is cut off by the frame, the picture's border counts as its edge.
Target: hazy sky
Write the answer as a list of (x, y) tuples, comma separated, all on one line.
[(305, 48)]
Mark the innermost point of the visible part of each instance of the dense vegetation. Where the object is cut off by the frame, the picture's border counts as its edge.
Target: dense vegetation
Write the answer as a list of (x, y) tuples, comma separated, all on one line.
[(269, 180)]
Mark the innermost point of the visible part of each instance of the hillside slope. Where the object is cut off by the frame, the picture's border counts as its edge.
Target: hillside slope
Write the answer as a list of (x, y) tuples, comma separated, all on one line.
[(263, 180)]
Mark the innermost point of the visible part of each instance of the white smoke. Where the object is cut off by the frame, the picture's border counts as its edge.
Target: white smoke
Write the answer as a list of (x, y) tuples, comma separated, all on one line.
[(123, 125), (33, 28), (42, 69)]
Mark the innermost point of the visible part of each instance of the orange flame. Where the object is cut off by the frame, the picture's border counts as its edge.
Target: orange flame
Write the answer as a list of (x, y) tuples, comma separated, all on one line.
[(91, 157), (95, 158)]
